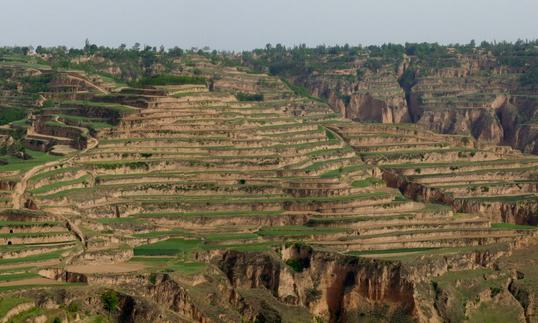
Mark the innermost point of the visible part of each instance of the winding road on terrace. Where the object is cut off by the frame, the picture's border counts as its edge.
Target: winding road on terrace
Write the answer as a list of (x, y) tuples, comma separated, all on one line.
[(20, 189)]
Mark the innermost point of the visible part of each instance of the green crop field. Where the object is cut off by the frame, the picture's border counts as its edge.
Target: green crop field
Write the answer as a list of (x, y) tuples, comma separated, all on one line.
[(170, 247)]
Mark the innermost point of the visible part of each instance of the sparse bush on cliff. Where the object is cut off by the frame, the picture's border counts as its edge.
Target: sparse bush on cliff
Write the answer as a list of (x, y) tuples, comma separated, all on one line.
[(408, 79), (298, 265), (312, 294), (110, 300)]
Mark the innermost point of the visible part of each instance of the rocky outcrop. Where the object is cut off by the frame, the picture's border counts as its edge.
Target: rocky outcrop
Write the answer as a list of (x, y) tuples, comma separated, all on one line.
[(169, 293), (347, 289), (337, 287), (366, 107)]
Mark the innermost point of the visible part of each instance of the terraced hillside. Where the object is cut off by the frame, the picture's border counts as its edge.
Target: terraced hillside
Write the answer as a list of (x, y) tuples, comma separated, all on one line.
[(227, 197), (487, 91), (497, 182)]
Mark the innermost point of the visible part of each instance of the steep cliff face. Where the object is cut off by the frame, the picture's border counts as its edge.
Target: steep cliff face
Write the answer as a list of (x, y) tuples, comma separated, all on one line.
[(350, 289), (375, 97), (366, 107), (482, 123), (339, 288), (169, 293), (517, 117), (472, 93)]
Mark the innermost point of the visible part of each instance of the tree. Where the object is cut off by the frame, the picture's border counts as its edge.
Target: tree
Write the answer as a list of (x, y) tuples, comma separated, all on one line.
[(176, 52), (110, 301), (529, 78), (87, 44)]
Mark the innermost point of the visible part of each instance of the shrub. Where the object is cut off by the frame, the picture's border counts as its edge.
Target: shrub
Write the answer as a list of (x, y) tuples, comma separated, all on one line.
[(330, 135), (73, 307), (408, 79), (529, 78), (110, 300), (9, 114), (38, 83), (346, 99), (241, 96), (373, 64), (298, 265), (312, 295), (360, 74), (495, 291), (153, 278)]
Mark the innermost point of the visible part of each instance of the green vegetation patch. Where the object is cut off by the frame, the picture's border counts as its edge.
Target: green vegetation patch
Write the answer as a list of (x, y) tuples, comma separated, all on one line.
[(10, 114), (297, 231), (209, 214), (188, 268), (244, 247), (51, 173), (17, 276), (170, 80), (388, 251), (7, 303), (170, 247), (370, 181), (23, 165), (34, 258), (512, 226), (157, 234), (230, 236), (335, 173), (54, 186), (247, 97), (494, 313)]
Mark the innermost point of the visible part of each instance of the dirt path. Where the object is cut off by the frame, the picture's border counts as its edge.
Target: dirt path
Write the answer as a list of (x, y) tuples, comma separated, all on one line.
[(106, 268), (31, 281), (20, 188), (46, 263), (90, 84)]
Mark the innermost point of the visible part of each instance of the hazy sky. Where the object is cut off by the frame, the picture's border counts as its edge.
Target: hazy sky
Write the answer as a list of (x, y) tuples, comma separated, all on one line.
[(247, 24)]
